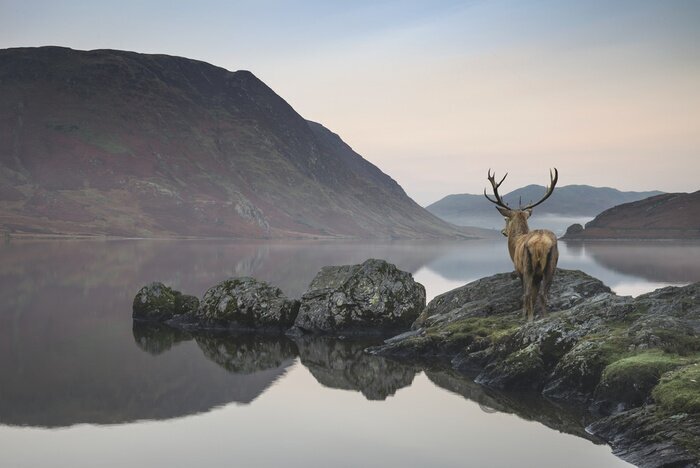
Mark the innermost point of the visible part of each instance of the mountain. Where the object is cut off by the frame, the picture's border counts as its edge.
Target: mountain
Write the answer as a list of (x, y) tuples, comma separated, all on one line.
[(571, 201), (118, 143), (668, 216)]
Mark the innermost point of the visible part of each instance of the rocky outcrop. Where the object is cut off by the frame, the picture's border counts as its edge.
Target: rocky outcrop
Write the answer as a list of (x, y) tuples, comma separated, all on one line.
[(667, 216), (157, 302), (611, 354), (372, 298), (573, 230), (246, 304)]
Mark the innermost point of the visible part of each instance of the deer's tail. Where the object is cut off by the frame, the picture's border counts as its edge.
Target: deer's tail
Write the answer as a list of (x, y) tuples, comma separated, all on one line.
[(539, 252)]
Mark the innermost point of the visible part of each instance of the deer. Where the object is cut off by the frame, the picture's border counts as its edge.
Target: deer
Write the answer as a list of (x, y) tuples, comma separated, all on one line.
[(534, 253)]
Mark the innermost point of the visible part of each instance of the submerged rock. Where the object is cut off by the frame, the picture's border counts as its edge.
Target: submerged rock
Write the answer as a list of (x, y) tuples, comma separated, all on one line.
[(157, 302), (246, 304), (374, 297)]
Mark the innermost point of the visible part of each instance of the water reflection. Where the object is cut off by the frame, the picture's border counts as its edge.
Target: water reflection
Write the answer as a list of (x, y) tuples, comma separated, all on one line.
[(530, 407), (657, 262), (247, 354), (344, 365), (69, 353)]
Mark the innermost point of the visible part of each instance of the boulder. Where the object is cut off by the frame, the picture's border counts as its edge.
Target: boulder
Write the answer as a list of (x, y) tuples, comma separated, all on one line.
[(157, 302), (246, 304), (374, 297)]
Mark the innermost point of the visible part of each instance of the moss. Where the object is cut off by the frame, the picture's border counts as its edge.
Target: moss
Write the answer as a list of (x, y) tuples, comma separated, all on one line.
[(649, 362), (679, 390), (491, 328), (631, 379)]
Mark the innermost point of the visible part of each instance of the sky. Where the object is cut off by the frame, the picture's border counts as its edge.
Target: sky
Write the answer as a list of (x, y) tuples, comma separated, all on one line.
[(437, 92)]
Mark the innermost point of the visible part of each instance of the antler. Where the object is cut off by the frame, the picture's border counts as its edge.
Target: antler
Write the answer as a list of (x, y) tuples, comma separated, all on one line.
[(498, 201), (550, 189)]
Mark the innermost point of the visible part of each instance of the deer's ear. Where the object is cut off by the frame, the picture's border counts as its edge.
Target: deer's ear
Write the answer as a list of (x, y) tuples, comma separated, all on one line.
[(504, 211), (528, 212)]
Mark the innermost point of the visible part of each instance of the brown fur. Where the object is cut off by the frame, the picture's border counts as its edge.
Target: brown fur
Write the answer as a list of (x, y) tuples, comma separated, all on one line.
[(535, 256)]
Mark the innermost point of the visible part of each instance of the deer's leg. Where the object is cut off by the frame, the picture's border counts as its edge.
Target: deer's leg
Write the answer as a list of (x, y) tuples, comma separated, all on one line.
[(526, 300), (548, 276), (545, 294), (534, 292)]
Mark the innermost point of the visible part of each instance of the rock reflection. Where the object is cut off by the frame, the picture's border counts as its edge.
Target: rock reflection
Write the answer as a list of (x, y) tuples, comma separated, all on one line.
[(344, 365), (246, 354), (156, 339), (531, 407)]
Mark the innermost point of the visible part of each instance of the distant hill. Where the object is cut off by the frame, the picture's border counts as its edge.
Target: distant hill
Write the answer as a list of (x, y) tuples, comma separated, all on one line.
[(119, 143), (667, 216), (570, 202)]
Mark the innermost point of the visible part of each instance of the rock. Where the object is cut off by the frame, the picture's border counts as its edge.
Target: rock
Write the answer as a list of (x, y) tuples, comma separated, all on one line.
[(649, 437), (502, 294), (246, 304), (157, 302), (594, 349), (372, 298)]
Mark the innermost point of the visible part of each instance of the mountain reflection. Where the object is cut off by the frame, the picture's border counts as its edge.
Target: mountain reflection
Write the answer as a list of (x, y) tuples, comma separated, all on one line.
[(670, 262)]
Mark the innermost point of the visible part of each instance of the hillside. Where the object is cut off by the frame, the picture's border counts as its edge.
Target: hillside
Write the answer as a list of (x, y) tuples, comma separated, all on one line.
[(118, 143), (571, 201), (668, 216)]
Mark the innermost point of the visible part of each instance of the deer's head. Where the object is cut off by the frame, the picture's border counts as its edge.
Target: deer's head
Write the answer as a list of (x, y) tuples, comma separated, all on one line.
[(517, 218)]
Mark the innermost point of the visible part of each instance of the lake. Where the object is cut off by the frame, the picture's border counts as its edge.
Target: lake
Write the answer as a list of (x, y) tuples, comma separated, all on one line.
[(82, 386)]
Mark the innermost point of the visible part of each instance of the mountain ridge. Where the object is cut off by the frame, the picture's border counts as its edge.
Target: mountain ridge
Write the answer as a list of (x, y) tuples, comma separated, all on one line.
[(569, 201), (119, 143)]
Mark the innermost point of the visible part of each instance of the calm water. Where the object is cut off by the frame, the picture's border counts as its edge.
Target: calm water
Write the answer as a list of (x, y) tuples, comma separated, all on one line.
[(81, 386)]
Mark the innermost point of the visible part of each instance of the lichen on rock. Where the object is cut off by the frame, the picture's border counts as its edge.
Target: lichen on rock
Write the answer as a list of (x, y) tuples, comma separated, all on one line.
[(374, 297), (246, 303), (157, 302)]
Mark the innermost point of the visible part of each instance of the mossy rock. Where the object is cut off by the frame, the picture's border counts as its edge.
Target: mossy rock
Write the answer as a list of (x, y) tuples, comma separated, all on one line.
[(371, 298), (628, 382), (522, 369), (246, 304), (157, 302), (679, 390), (578, 372)]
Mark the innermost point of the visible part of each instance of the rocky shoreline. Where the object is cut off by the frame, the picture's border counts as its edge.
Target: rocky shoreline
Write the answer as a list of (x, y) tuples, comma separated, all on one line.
[(622, 369), (633, 364)]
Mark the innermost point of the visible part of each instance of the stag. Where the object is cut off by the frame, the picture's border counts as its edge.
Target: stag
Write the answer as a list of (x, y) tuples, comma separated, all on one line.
[(534, 253)]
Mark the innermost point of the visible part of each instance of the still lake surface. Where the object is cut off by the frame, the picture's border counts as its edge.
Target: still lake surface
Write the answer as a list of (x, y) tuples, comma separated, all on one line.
[(81, 386)]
